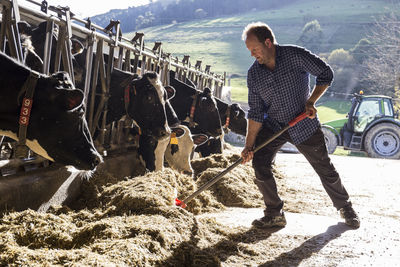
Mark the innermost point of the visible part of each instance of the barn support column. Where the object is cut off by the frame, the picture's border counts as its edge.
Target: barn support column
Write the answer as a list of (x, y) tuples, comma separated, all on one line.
[(9, 30)]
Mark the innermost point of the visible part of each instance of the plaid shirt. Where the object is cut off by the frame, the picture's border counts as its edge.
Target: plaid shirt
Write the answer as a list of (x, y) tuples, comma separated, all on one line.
[(278, 96)]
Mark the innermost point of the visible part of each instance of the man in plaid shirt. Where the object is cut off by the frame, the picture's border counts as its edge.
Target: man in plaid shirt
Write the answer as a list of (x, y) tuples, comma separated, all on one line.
[(279, 90)]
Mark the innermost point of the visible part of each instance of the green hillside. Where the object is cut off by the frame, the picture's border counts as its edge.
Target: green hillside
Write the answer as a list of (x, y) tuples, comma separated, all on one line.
[(217, 42)]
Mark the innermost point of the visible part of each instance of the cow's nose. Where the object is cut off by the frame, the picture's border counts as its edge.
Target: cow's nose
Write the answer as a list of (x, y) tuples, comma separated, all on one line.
[(219, 131)]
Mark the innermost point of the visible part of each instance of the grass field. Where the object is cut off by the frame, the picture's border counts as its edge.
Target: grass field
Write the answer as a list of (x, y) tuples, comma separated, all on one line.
[(217, 42), (333, 110)]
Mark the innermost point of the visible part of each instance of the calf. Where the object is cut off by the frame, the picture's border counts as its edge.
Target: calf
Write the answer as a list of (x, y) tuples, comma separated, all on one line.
[(179, 151), (176, 150), (57, 128)]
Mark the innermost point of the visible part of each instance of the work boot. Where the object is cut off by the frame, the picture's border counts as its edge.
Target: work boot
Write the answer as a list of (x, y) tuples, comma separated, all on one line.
[(350, 216), (269, 221)]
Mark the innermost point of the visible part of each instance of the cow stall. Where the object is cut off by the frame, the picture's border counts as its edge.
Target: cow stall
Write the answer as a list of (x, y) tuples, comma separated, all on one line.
[(102, 51)]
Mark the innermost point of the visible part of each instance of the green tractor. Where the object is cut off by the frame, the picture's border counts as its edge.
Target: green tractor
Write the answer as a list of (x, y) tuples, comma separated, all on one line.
[(372, 126)]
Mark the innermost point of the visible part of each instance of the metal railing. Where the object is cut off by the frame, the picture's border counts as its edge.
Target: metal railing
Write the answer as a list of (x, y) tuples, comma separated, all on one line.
[(127, 54)]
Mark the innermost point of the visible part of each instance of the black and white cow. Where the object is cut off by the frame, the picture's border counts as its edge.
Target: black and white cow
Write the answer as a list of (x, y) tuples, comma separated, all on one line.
[(152, 149), (37, 38), (233, 118), (31, 58), (179, 150), (175, 150), (143, 98), (57, 129), (198, 107)]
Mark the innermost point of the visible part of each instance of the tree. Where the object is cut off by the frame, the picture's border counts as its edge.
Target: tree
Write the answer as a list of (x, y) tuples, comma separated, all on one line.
[(361, 50), (383, 64), (346, 72), (311, 36)]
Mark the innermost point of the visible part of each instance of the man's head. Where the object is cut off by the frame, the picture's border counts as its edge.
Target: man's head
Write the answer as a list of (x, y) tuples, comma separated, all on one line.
[(260, 41)]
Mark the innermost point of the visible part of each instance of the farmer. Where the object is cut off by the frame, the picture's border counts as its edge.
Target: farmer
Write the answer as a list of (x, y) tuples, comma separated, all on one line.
[(279, 90)]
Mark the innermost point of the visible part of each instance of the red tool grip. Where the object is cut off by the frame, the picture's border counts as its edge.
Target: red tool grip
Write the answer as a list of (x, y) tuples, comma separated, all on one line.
[(301, 117), (180, 203)]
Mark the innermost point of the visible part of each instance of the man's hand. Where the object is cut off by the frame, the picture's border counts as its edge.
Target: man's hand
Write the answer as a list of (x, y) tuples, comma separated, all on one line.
[(310, 109), (247, 154)]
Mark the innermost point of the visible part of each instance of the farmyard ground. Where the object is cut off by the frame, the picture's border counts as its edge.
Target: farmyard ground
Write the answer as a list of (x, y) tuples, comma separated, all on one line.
[(133, 222)]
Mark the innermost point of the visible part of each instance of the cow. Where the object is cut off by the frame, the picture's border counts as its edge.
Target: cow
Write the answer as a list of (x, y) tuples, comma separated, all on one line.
[(176, 150), (37, 38), (232, 116), (234, 119), (141, 98), (30, 57), (152, 149), (56, 126), (214, 145), (195, 107), (179, 151)]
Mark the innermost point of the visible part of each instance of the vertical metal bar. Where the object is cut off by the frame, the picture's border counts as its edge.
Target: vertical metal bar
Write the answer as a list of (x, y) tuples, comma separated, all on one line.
[(47, 46), (128, 60), (67, 51), (3, 29), (89, 65)]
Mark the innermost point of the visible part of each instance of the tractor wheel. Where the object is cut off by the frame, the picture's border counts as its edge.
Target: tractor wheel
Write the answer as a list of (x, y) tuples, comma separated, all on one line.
[(330, 140), (383, 141)]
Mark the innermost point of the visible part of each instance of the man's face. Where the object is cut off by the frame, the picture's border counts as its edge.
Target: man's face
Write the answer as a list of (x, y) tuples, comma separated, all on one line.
[(260, 51)]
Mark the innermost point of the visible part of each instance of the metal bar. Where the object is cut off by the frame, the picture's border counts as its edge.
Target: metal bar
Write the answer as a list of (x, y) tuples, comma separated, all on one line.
[(29, 13), (88, 66), (47, 46)]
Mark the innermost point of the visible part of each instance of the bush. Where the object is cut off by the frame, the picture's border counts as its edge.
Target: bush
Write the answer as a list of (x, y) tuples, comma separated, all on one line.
[(340, 57)]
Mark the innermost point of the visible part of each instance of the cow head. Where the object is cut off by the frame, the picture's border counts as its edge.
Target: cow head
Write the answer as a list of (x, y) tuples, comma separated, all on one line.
[(58, 129), (206, 114), (237, 121), (212, 146), (147, 105), (205, 117), (38, 37)]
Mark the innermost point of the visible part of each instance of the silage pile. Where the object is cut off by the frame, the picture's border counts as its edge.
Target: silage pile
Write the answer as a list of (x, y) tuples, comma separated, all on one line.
[(133, 221)]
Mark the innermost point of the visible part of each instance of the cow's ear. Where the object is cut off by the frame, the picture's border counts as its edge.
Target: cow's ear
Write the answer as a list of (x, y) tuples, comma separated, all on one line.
[(24, 28), (199, 139), (170, 91), (207, 91), (178, 131), (235, 108), (77, 47), (70, 99)]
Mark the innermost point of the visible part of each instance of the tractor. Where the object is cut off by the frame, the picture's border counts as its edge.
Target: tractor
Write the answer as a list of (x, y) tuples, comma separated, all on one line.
[(371, 126)]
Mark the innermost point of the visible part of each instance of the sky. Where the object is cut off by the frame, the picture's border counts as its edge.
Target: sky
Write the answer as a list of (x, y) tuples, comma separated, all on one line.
[(87, 8)]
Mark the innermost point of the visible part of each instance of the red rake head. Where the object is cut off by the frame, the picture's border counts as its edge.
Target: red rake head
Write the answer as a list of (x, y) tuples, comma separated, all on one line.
[(180, 203)]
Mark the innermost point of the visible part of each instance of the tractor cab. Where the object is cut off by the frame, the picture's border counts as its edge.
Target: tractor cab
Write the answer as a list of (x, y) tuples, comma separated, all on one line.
[(371, 126), (365, 112)]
